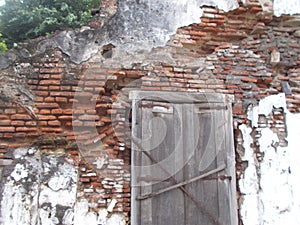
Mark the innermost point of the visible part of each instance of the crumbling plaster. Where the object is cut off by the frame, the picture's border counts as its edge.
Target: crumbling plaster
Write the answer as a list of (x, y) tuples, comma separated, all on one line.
[(42, 189), (39, 190), (269, 186)]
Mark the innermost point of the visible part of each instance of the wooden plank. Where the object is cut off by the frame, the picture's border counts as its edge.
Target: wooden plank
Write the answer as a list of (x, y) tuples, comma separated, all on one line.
[(161, 191), (135, 159), (164, 154), (208, 162), (193, 129), (146, 206), (6, 162), (226, 188), (231, 169), (180, 97), (178, 151)]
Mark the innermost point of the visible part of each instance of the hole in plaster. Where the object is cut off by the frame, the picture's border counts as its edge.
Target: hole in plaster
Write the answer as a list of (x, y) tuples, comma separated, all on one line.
[(107, 51)]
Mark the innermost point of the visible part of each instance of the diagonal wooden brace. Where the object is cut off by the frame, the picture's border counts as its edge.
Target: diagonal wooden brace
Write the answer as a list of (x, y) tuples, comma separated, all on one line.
[(219, 169)]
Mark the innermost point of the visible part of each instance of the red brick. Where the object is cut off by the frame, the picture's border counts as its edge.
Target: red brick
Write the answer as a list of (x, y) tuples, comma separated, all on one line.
[(47, 105), (26, 129), (56, 111), (65, 117), (89, 117), (96, 184), (56, 76), (42, 123), (4, 117), (49, 82), (48, 117), (62, 93), (31, 123), (54, 88), (255, 9), (61, 99), (41, 93), (17, 123), (49, 99), (38, 99), (43, 88), (51, 130), (237, 109), (68, 111), (5, 122), (45, 111), (44, 76), (20, 117), (8, 135), (54, 123), (249, 79), (7, 129), (85, 179), (77, 123), (10, 111), (94, 83), (51, 70)]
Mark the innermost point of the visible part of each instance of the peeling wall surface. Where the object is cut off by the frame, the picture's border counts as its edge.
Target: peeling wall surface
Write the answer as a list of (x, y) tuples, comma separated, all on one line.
[(270, 186), (39, 190), (65, 112)]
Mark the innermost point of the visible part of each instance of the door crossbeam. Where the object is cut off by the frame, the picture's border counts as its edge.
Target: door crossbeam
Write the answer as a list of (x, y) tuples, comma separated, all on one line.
[(203, 176)]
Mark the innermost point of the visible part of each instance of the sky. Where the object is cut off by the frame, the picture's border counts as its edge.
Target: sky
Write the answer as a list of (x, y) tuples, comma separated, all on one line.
[(2, 2)]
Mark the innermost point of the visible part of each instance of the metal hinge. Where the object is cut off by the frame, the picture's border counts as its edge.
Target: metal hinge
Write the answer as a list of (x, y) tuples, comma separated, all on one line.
[(221, 177)]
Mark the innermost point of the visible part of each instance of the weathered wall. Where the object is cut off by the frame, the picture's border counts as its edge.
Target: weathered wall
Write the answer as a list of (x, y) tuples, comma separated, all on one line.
[(269, 181), (67, 96)]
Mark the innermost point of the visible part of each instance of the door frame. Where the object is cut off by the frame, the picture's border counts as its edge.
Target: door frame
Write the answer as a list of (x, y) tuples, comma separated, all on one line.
[(210, 99)]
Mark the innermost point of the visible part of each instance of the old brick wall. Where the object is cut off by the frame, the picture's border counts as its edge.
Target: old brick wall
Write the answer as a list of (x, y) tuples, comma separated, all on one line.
[(82, 110)]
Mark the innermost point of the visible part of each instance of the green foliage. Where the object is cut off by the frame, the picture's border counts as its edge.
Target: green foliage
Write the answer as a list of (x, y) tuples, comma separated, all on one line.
[(3, 46), (23, 19)]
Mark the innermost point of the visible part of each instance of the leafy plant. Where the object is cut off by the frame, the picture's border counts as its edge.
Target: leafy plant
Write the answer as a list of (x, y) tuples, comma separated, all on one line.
[(3, 46), (23, 19)]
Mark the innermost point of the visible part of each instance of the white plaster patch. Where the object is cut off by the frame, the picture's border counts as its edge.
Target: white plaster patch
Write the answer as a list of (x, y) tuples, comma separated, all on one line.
[(116, 219), (19, 172), (279, 7), (293, 123), (276, 194), (68, 218), (289, 7), (266, 106), (19, 153), (277, 200), (27, 196), (248, 184), (11, 213), (99, 162), (62, 178), (225, 5), (82, 214), (47, 216), (60, 189), (145, 29)]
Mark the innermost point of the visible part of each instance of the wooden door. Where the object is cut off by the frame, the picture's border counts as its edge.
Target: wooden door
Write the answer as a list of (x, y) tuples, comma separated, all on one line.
[(183, 169)]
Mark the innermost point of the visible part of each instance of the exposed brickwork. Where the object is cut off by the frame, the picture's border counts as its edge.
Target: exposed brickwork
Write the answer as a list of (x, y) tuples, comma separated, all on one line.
[(236, 49)]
